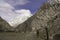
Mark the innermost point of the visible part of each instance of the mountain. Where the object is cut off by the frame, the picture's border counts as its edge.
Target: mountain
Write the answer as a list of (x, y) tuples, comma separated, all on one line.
[(26, 26), (21, 16), (46, 21), (45, 24), (4, 26)]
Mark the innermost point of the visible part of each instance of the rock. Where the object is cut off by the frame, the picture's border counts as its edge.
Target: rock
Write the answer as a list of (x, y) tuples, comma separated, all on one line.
[(4, 26), (46, 21), (48, 16), (56, 37), (26, 26)]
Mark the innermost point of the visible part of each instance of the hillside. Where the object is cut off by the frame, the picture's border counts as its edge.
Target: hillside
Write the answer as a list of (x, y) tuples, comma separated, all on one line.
[(46, 21), (4, 26), (44, 25)]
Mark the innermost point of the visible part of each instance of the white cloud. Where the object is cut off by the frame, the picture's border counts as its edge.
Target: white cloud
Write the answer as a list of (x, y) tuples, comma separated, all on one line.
[(17, 2), (6, 11), (5, 5), (14, 18), (24, 11)]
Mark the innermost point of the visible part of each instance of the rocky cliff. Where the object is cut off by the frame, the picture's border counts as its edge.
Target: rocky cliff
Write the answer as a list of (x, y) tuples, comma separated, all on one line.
[(4, 26), (46, 21)]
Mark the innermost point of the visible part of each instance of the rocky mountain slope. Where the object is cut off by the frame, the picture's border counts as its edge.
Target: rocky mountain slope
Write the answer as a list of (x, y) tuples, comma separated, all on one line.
[(45, 23), (4, 26)]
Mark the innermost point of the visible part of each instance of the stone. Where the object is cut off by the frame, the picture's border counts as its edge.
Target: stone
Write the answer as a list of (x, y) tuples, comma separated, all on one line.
[(56, 37)]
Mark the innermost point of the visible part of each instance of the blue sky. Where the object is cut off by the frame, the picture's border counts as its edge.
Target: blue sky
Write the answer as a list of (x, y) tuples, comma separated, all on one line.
[(17, 11), (33, 5)]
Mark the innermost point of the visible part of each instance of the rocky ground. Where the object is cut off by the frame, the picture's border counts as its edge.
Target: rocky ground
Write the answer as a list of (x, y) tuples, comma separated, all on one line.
[(44, 25)]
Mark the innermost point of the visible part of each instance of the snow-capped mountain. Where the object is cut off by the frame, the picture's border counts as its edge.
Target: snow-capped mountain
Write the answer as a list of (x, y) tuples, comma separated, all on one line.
[(12, 16), (22, 17)]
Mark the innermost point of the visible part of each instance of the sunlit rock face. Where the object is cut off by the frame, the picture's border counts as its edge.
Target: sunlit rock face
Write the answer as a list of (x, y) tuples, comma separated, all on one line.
[(48, 16), (53, 1)]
